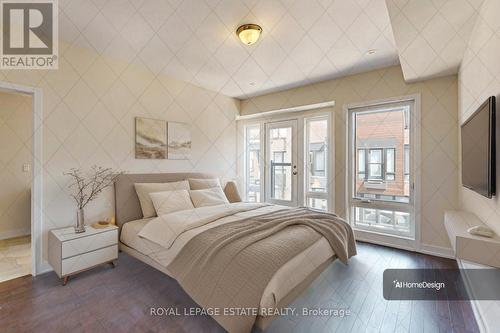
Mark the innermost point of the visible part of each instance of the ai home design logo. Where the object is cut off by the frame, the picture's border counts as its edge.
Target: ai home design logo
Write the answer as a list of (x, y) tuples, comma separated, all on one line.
[(29, 34)]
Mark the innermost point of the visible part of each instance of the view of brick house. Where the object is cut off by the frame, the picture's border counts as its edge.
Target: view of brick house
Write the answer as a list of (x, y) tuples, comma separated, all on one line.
[(382, 160)]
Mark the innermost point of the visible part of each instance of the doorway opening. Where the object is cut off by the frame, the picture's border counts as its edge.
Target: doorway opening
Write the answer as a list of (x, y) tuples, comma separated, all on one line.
[(16, 162), (31, 169)]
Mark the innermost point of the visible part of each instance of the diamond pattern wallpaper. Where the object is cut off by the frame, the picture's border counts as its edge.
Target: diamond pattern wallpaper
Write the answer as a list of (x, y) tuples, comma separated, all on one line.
[(431, 36), (479, 78), (439, 132), (89, 107)]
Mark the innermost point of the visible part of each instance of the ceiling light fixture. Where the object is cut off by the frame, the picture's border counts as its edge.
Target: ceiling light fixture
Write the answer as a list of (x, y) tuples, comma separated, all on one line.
[(249, 33), (372, 51)]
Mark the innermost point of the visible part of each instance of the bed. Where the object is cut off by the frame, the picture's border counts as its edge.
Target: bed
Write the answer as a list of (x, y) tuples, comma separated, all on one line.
[(286, 282)]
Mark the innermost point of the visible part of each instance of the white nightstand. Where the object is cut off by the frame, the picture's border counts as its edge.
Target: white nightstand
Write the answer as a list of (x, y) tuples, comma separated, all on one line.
[(71, 253)]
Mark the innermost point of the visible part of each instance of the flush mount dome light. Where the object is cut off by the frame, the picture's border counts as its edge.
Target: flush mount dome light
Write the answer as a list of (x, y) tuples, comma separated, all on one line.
[(249, 33)]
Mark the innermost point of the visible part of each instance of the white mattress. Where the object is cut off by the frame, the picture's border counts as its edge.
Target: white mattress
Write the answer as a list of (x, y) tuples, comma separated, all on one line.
[(285, 279)]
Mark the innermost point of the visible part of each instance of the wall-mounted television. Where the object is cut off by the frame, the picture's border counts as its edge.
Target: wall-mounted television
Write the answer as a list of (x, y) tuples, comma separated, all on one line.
[(479, 150)]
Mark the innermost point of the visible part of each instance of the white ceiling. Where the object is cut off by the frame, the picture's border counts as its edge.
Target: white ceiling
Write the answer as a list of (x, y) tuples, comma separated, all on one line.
[(432, 35), (303, 41)]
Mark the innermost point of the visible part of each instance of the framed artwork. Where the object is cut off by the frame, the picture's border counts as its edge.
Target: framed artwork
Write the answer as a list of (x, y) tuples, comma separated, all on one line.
[(179, 141), (150, 138)]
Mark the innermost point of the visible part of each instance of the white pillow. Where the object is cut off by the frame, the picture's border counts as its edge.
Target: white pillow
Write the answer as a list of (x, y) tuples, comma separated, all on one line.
[(208, 197), (201, 184), (143, 190), (171, 201)]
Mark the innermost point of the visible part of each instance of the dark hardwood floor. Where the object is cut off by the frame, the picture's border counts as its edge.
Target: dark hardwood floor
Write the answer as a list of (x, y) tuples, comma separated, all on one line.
[(119, 300)]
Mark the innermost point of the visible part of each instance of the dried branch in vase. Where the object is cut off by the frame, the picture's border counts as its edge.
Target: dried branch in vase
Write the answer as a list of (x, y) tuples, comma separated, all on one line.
[(86, 187)]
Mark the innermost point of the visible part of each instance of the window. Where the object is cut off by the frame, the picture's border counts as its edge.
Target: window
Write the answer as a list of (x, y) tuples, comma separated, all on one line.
[(316, 193), (361, 164), (375, 164), (380, 162), (390, 159), (319, 162), (252, 163), (380, 142), (278, 156), (317, 158), (380, 219), (407, 162)]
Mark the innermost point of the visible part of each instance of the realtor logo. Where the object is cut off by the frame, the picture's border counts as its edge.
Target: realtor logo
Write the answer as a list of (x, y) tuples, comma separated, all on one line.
[(29, 34)]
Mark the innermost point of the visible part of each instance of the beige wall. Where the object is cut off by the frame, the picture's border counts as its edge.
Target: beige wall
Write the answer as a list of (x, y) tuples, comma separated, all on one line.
[(439, 146), (479, 78), (16, 120), (89, 106)]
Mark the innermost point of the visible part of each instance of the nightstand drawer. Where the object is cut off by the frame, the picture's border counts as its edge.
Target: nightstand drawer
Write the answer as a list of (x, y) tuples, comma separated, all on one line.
[(86, 244), (88, 260)]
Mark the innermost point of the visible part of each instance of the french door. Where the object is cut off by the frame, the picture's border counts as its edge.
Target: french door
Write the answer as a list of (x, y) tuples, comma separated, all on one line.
[(381, 162), (280, 167)]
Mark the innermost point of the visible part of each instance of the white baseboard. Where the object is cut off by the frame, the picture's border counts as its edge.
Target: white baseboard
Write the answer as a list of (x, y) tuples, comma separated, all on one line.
[(15, 233), (432, 250), (481, 312), (438, 251), (383, 243)]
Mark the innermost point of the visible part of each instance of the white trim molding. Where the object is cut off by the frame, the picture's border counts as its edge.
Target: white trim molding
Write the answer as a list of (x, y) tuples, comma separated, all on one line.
[(37, 181), (294, 109), (438, 251)]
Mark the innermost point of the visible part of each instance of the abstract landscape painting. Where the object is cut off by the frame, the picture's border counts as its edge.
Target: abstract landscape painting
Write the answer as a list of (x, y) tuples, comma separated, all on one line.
[(179, 141), (150, 138)]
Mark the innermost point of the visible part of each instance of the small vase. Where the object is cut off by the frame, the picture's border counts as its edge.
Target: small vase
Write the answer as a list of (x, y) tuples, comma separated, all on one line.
[(80, 221)]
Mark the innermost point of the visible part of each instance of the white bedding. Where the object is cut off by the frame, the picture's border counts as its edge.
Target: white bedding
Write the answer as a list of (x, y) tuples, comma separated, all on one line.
[(173, 240)]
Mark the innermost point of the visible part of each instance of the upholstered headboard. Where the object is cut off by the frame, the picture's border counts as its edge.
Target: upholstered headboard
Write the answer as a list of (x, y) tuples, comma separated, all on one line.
[(127, 206)]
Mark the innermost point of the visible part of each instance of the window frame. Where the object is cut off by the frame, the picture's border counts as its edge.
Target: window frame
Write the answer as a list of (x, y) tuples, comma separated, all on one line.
[(308, 164), (394, 159), (413, 102), (406, 162)]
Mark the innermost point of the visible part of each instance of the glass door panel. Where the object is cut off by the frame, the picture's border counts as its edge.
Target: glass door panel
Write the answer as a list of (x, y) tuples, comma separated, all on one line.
[(316, 188), (252, 163), (281, 162)]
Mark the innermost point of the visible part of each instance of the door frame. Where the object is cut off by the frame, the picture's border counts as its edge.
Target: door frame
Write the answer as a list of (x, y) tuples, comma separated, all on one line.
[(294, 124), (415, 116), (37, 174)]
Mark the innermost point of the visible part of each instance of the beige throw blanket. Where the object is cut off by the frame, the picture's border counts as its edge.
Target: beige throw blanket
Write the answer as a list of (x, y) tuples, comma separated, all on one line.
[(229, 266)]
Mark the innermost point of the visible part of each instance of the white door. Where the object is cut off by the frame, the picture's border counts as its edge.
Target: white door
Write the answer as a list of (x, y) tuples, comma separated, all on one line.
[(281, 168), (382, 168)]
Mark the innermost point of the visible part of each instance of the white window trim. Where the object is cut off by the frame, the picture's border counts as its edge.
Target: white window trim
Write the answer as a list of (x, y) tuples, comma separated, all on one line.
[(38, 265), (370, 235)]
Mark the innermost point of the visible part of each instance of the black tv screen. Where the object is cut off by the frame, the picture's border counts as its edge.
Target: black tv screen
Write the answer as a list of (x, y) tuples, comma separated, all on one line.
[(478, 150)]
